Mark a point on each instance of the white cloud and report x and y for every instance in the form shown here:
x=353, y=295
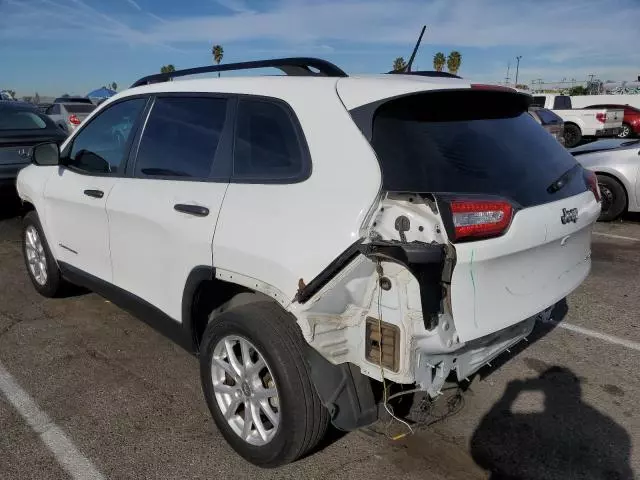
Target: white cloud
x=237, y=6
x=572, y=36
x=134, y=4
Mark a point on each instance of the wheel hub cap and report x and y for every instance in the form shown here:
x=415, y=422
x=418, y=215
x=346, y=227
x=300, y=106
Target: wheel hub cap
x=36, y=258
x=245, y=390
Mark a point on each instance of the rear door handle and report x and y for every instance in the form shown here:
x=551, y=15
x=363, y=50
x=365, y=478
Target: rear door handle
x=94, y=193
x=196, y=210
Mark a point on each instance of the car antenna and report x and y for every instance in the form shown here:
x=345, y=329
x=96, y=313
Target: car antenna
x=415, y=50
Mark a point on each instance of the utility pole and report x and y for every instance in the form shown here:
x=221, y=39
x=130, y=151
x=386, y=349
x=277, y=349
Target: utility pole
x=517, y=68
x=506, y=79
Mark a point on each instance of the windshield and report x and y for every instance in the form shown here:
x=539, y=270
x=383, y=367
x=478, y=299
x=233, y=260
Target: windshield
x=470, y=142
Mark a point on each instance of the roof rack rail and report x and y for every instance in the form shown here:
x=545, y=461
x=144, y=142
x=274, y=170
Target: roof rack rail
x=294, y=66
x=426, y=73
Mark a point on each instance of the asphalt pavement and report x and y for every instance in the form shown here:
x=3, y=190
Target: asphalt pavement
x=88, y=391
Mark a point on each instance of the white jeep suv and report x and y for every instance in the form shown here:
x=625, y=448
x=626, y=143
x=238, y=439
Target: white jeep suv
x=313, y=234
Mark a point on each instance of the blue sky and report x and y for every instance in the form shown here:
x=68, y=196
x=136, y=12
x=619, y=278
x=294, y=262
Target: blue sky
x=58, y=46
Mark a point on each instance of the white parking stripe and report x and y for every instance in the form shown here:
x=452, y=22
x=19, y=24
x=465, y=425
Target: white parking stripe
x=595, y=334
x=619, y=237
x=66, y=453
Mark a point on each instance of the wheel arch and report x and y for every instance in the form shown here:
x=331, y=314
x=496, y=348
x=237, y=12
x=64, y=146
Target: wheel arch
x=208, y=289
x=623, y=184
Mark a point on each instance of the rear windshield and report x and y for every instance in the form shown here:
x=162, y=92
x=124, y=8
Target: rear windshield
x=14, y=119
x=470, y=142
x=562, y=102
x=79, y=108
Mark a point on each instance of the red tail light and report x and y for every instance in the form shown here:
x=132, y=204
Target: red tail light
x=74, y=120
x=480, y=218
x=601, y=117
x=592, y=181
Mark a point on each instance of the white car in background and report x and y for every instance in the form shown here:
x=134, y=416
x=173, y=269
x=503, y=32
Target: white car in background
x=69, y=112
x=617, y=165
x=314, y=237
x=578, y=123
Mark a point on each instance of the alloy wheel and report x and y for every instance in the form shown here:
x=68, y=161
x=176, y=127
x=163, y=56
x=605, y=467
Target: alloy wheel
x=36, y=257
x=245, y=390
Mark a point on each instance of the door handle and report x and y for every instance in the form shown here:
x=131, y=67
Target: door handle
x=196, y=210
x=94, y=193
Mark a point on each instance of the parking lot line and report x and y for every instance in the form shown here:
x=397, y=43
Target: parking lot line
x=619, y=237
x=595, y=334
x=66, y=453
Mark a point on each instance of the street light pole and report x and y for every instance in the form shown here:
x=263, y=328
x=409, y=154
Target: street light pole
x=517, y=68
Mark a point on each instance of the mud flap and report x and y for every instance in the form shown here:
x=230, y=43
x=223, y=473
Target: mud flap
x=344, y=391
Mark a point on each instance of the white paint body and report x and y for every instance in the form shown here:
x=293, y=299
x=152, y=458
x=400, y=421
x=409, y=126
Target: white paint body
x=267, y=237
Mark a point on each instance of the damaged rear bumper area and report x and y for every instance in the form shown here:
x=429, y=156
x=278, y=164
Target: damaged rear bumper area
x=382, y=310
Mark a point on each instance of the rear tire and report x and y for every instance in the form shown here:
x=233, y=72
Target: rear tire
x=269, y=333
x=626, y=131
x=572, y=135
x=41, y=267
x=614, y=198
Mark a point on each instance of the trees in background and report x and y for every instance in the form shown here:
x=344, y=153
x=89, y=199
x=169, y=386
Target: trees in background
x=399, y=64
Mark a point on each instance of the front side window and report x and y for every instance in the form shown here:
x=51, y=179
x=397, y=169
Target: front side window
x=101, y=146
x=267, y=145
x=181, y=137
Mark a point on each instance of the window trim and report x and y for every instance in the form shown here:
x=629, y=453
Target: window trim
x=305, y=157
x=221, y=163
x=122, y=172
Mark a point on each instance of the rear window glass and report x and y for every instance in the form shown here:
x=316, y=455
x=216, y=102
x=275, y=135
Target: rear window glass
x=471, y=143
x=21, y=120
x=79, y=108
x=538, y=101
x=562, y=102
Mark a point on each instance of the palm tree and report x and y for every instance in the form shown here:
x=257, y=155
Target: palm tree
x=453, y=62
x=438, y=61
x=218, y=52
x=399, y=64
x=167, y=68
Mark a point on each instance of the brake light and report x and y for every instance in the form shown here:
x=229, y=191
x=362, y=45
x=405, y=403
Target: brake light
x=592, y=182
x=480, y=219
x=601, y=117
x=74, y=120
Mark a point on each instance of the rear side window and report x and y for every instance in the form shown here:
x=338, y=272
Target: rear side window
x=562, y=102
x=470, y=142
x=181, y=137
x=267, y=143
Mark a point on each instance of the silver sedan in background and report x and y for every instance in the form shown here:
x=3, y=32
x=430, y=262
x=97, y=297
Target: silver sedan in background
x=617, y=164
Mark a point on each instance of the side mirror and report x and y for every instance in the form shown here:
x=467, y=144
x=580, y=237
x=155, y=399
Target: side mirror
x=46, y=154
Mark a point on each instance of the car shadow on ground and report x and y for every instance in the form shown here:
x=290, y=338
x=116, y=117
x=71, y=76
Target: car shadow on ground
x=10, y=206
x=567, y=439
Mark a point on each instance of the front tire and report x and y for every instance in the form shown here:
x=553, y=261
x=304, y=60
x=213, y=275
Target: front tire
x=572, y=135
x=258, y=387
x=41, y=266
x=614, y=198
